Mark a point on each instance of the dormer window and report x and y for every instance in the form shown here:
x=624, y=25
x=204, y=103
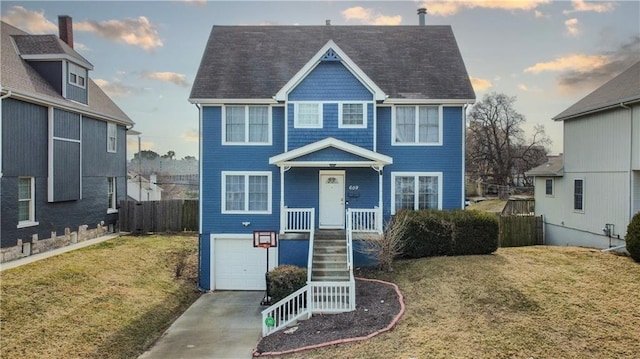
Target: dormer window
x=77, y=75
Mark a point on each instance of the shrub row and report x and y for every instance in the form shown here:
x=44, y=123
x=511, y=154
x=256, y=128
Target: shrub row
x=442, y=233
x=284, y=280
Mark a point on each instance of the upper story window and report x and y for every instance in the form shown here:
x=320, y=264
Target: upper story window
x=417, y=125
x=77, y=75
x=352, y=115
x=112, y=137
x=246, y=125
x=308, y=115
x=26, y=205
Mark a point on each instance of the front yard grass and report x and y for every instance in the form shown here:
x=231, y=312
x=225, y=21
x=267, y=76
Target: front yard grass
x=110, y=300
x=526, y=302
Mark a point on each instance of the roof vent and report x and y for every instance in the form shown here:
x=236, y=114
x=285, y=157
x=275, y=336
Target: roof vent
x=328, y=22
x=422, y=12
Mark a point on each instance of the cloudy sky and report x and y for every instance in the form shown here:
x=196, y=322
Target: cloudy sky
x=548, y=54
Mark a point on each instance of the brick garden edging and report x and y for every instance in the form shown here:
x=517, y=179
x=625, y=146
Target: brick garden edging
x=346, y=340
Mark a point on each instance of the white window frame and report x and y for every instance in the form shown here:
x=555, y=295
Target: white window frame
x=112, y=128
x=416, y=141
x=246, y=175
x=246, y=141
x=296, y=111
x=416, y=193
x=112, y=185
x=553, y=185
x=573, y=196
x=32, y=205
x=79, y=73
x=364, y=114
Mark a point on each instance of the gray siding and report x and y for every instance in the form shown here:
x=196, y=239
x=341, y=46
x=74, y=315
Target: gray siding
x=25, y=153
x=66, y=171
x=96, y=161
x=24, y=139
x=51, y=71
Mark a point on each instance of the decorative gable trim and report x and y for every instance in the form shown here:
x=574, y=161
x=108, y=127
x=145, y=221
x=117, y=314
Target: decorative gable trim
x=374, y=158
x=330, y=52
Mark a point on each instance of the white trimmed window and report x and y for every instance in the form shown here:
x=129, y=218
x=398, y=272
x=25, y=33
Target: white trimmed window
x=578, y=195
x=246, y=125
x=416, y=190
x=352, y=115
x=112, y=195
x=246, y=192
x=307, y=115
x=548, y=187
x=417, y=125
x=77, y=75
x=112, y=137
x=26, y=202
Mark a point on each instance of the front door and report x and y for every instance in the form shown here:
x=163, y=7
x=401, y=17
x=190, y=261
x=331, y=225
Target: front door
x=331, y=199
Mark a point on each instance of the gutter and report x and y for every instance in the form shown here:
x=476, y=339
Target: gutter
x=599, y=109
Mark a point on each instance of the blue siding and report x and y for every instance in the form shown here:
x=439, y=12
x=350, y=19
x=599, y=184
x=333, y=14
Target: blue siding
x=446, y=158
x=77, y=93
x=360, y=258
x=299, y=137
x=24, y=139
x=51, y=71
x=330, y=81
x=204, y=262
x=217, y=158
x=293, y=252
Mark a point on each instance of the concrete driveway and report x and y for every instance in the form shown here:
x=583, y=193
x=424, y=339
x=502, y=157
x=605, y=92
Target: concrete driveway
x=223, y=324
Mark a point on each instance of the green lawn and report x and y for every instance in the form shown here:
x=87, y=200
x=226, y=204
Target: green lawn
x=110, y=300
x=526, y=302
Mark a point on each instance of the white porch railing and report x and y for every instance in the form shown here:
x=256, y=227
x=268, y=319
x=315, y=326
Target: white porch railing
x=298, y=219
x=364, y=220
x=313, y=298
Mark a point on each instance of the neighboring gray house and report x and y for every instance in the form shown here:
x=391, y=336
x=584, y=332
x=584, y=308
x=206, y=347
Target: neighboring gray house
x=63, y=145
x=142, y=189
x=594, y=188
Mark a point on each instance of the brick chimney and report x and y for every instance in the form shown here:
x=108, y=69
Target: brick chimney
x=65, y=27
x=422, y=12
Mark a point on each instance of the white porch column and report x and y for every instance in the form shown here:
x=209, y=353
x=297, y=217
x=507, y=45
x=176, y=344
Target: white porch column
x=282, y=211
x=380, y=201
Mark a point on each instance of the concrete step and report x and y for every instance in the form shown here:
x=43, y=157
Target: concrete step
x=330, y=278
x=330, y=250
x=336, y=265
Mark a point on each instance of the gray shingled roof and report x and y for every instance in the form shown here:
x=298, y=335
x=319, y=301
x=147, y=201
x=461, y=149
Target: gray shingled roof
x=553, y=168
x=422, y=62
x=49, y=45
x=23, y=80
x=623, y=88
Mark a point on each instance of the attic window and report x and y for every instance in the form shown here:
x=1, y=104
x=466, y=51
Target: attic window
x=330, y=55
x=77, y=75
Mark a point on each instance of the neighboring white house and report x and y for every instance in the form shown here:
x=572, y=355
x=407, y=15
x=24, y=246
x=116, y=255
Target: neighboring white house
x=595, y=185
x=142, y=189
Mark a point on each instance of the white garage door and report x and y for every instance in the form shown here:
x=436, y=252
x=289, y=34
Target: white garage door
x=240, y=266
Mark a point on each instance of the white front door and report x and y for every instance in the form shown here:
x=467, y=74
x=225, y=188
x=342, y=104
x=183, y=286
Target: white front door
x=331, y=199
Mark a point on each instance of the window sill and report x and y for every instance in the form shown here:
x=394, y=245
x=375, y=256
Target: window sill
x=246, y=212
x=416, y=144
x=111, y=211
x=26, y=224
x=246, y=143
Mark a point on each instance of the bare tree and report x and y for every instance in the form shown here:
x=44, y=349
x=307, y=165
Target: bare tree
x=388, y=245
x=497, y=150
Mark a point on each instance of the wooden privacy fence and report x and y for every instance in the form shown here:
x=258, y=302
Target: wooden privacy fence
x=517, y=231
x=158, y=216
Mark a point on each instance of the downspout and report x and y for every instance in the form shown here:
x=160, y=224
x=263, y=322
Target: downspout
x=464, y=151
x=630, y=158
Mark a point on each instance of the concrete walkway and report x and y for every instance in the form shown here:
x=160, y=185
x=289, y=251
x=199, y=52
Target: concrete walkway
x=55, y=252
x=222, y=325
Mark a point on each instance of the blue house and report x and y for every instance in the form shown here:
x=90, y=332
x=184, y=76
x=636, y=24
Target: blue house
x=322, y=133
x=63, y=146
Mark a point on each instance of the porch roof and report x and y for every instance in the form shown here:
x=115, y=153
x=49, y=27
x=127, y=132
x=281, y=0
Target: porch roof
x=366, y=158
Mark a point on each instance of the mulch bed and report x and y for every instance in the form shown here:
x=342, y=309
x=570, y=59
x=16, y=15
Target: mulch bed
x=377, y=304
